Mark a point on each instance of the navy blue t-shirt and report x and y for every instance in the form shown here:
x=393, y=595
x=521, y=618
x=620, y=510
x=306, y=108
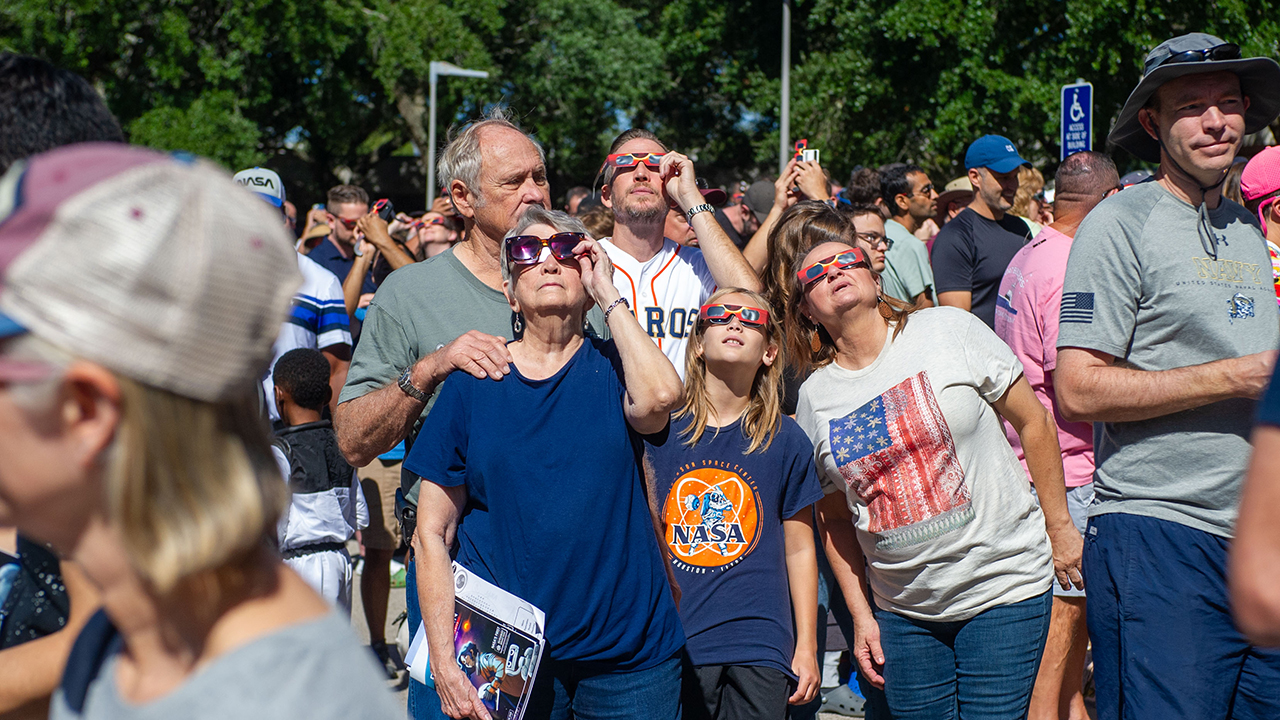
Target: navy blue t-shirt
x=971, y=254
x=330, y=258
x=722, y=513
x=1269, y=406
x=556, y=512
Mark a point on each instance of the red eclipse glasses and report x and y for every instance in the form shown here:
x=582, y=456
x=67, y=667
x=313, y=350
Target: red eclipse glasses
x=848, y=258
x=626, y=160
x=719, y=314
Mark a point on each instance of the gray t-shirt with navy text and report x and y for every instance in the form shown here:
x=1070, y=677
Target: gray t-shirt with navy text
x=1143, y=287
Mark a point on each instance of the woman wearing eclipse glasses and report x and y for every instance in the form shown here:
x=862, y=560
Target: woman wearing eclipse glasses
x=904, y=413
x=537, y=476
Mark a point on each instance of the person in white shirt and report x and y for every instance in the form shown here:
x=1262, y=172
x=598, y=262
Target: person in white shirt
x=662, y=282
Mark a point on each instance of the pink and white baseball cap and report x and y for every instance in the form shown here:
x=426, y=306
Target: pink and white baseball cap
x=1261, y=178
x=157, y=266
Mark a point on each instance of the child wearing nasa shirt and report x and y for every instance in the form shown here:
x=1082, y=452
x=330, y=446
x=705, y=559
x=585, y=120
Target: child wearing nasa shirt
x=735, y=478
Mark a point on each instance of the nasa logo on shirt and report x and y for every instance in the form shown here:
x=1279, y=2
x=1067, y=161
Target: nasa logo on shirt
x=712, y=515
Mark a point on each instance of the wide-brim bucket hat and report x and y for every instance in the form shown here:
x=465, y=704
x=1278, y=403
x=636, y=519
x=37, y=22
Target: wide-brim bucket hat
x=1259, y=81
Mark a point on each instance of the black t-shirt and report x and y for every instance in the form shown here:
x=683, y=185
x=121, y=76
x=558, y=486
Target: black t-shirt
x=971, y=254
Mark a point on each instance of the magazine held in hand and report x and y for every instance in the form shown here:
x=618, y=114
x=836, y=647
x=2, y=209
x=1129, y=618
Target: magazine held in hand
x=497, y=641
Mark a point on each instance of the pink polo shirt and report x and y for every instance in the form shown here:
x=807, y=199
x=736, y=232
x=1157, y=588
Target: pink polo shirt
x=1027, y=319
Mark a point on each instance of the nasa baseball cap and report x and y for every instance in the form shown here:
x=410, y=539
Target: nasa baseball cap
x=994, y=153
x=128, y=257
x=263, y=182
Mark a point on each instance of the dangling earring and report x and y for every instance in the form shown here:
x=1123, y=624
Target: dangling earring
x=815, y=341
x=886, y=311
x=518, y=323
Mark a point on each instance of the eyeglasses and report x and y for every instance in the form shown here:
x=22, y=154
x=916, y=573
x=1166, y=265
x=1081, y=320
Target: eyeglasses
x=526, y=249
x=626, y=160
x=719, y=314
x=926, y=191
x=875, y=239
x=1225, y=51
x=846, y=259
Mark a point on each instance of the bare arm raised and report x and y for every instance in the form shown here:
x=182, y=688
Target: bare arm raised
x=653, y=386
x=728, y=267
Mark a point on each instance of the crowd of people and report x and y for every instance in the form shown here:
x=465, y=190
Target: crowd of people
x=1000, y=432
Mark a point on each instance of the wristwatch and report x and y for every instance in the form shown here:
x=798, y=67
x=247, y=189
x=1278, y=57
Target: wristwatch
x=697, y=209
x=407, y=386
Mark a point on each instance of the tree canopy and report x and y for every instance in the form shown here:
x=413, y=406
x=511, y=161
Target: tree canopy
x=336, y=90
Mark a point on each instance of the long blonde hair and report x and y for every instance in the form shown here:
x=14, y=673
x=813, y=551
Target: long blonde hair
x=763, y=416
x=191, y=485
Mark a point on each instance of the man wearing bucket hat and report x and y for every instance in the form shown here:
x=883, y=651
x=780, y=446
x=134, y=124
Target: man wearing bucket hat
x=972, y=251
x=1167, y=336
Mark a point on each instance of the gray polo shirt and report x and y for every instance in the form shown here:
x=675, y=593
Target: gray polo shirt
x=1141, y=286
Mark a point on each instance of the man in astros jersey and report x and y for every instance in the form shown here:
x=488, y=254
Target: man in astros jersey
x=664, y=283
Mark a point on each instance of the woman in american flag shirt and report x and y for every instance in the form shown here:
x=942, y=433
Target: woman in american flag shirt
x=927, y=506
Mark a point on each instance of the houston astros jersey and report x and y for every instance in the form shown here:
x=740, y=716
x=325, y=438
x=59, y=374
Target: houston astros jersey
x=665, y=293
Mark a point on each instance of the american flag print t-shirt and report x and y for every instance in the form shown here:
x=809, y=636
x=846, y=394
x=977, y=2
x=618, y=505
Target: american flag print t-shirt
x=897, y=454
x=941, y=506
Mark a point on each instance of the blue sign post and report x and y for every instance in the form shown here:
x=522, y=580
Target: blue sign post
x=1077, y=118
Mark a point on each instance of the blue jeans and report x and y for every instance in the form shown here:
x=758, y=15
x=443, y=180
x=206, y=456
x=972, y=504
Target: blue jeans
x=567, y=690
x=1164, y=644
x=982, y=668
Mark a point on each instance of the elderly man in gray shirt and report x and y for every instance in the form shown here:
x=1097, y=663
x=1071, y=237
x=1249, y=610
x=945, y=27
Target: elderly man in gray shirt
x=1167, y=337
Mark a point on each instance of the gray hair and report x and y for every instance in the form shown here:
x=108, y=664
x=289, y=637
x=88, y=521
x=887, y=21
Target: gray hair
x=561, y=221
x=461, y=158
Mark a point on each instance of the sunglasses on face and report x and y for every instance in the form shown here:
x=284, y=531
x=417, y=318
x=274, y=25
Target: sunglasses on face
x=925, y=191
x=626, y=160
x=526, y=249
x=348, y=224
x=875, y=240
x=1225, y=51
x=719, y=314
x=846, y=259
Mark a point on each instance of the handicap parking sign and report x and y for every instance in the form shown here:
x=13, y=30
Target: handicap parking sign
x=1077, y=118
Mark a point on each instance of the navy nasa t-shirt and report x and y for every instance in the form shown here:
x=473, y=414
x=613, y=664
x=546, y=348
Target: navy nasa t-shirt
x=556, y=512
x=722, y=513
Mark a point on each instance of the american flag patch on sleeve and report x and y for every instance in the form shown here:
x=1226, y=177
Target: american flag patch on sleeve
x=1077, y=307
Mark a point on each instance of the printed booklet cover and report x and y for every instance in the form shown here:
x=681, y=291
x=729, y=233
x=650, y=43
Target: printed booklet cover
x=498, y=642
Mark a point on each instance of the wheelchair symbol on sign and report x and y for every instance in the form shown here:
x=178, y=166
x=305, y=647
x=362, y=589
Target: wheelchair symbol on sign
x=1077, y=112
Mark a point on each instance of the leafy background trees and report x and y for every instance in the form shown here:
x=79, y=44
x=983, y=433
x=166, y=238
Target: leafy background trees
x=335, y=90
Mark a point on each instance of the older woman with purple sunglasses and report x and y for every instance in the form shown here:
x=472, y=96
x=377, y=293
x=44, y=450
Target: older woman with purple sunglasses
x=536, y=479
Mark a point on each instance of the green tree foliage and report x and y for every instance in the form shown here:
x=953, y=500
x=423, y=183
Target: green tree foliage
x=335, y=90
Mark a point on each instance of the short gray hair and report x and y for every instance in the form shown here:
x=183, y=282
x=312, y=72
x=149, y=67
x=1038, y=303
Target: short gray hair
x=461, y=158
x=561, y=221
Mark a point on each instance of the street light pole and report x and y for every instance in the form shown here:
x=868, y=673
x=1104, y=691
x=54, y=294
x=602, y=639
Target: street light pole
x=784, y=140
x=438, y=68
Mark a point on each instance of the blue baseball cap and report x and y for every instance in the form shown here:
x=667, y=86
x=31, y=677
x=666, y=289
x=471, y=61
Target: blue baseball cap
x=995, y=153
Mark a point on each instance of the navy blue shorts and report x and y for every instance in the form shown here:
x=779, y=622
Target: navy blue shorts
x=1164, y=644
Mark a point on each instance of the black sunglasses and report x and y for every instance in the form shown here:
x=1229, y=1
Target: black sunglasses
x=1225, y=51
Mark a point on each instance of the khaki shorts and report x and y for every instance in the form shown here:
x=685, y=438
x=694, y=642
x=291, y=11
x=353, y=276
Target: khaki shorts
x=379, y=482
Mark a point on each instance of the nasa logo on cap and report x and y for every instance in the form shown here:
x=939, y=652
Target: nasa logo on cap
x=266, y=183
